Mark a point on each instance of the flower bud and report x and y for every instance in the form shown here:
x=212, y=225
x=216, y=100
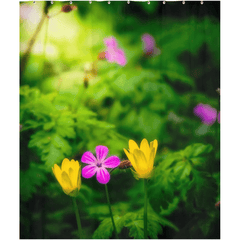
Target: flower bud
x=125, y=164
x=101, y=55
x=68, y=8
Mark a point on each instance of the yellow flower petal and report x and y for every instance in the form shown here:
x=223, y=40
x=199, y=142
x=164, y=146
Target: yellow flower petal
x=66, y=182
x=71, y=175
x=65, y=165
x=145, y=175
x=154, y=144
x=151, y=158
x=68, y=191
x=144, y=147
x=132, y=146
x=79, y=179
x=73, y=172
x=68, y=176
x=57, y=172
x=140, y=160
x=130, y=158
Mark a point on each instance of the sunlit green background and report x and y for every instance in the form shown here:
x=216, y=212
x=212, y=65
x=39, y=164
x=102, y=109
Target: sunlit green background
x=149, y=97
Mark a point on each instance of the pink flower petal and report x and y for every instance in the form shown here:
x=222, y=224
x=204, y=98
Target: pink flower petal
x=89, y=171
x=110, y=55
x=120, y=57
x=101, y=152
x=103, y=176
x=110, y=42
x=88, y=158
x=113, y=53
x=149, y=42
x=111, y=162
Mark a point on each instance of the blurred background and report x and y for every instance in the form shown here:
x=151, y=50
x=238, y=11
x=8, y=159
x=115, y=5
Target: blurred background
x=72, y=98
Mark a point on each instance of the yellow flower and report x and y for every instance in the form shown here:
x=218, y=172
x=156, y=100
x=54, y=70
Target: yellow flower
x=142, y=158
x=68, y=176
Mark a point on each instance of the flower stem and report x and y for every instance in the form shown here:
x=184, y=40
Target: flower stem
x=145, y=209
x=77, y=217
x=110, y=210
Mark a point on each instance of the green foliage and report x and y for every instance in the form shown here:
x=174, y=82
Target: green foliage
x=150, y=97
x=37, y=176
x=56, y=129
x=105, y=229
x=134, y=223
x=178, y=172
x=203, y=191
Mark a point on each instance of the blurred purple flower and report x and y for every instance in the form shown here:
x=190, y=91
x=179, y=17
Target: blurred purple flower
x=113, y=53
x=98, y=165
x=206, y=113
x=111, y=42
x=149, y=45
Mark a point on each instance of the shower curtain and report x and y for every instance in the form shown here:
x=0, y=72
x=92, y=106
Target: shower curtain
x=119, y=119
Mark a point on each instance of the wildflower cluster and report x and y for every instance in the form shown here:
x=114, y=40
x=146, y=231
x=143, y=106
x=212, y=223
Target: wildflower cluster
x=69, y=175
x=141, y=160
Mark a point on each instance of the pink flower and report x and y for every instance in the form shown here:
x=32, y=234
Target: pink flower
x=99, y=164
x=206, y=113
x=113, y=53
x=149, y=45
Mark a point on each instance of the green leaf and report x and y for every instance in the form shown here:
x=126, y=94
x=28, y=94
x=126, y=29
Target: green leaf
x=171, y=159
x=29, y=93
x=48, y=126
x=197, y=149
x=135, y=223
x=30, y=180
x=153, y=228
x=163, y=221
x=171, y=207
x=51, y=147
x=174, y=76
x=99, y=124
x=196, y=153
x=161, y=188
x=39, y=139
x=53, y=155
x=182, y=169
x=32, y=124
x=56, y=151
x=105, y=229
x=136, y=229
x=65, y=125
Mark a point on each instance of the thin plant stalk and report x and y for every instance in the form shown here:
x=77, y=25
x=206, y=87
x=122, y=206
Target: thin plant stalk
x=45, y=40
x=110, y=210
x=26, y=55
x=145, y=209
x=77, y=217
